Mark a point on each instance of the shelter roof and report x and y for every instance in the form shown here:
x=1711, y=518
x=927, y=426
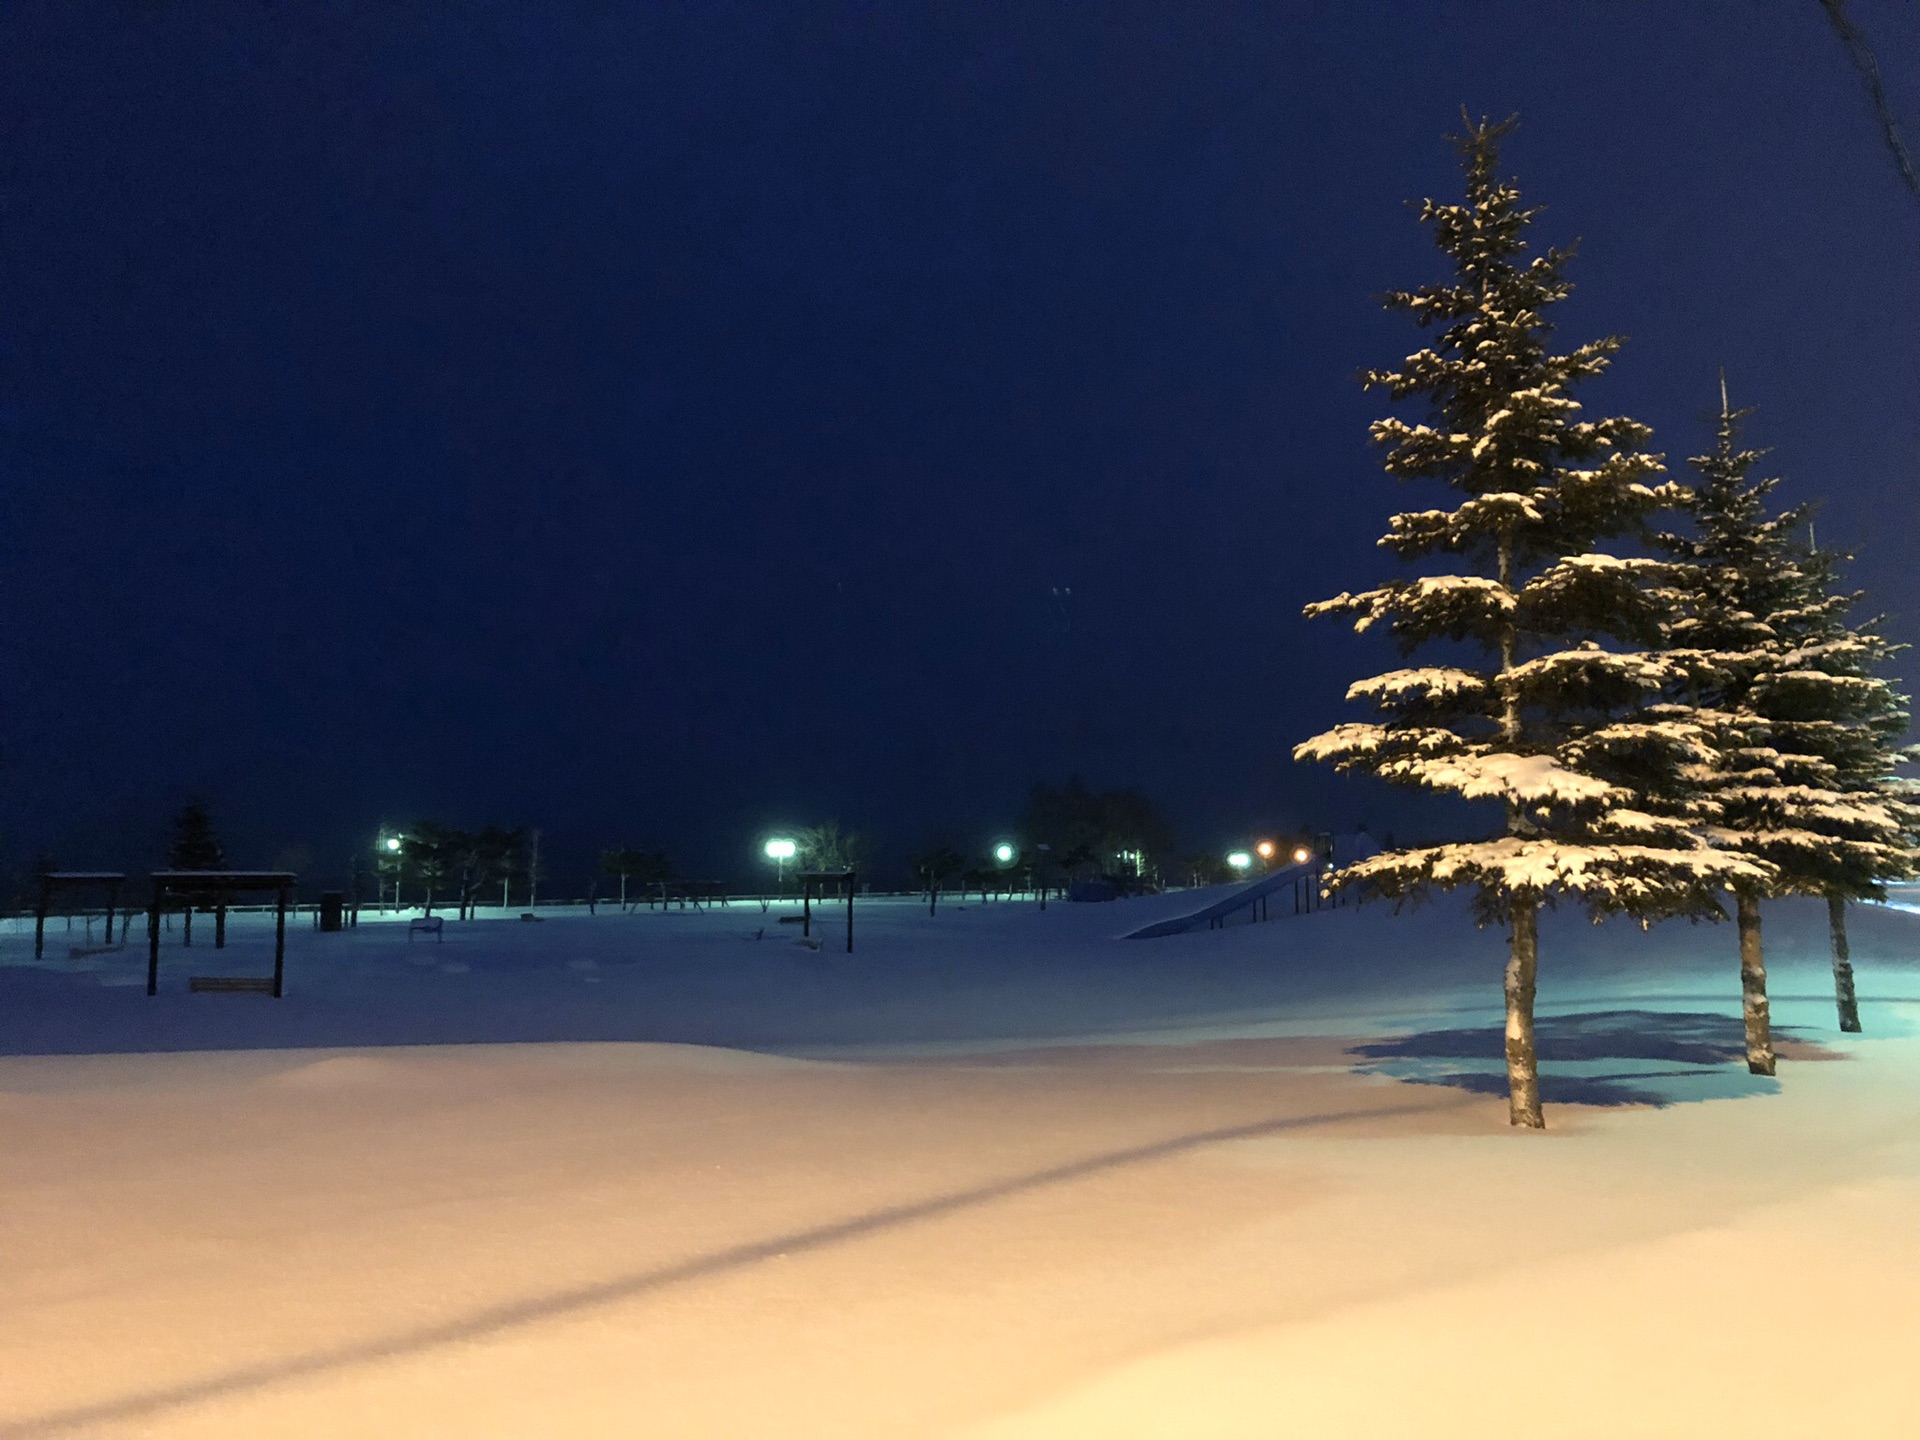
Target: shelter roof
x=226, y=879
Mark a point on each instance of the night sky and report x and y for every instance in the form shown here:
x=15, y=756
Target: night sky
x=657, y=422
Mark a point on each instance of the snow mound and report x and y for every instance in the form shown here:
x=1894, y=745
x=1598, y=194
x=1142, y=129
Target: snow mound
x=340, y=1072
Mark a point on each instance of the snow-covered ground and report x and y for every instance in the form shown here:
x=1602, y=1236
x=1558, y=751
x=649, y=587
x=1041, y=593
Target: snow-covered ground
x=997, y=1173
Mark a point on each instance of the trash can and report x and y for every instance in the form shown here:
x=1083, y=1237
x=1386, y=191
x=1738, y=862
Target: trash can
x=333, y=906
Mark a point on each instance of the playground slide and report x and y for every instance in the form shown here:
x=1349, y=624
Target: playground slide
x=1239, y=899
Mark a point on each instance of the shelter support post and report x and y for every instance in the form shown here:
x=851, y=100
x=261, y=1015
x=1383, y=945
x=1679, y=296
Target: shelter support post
x=279, y=941
x=153, y=944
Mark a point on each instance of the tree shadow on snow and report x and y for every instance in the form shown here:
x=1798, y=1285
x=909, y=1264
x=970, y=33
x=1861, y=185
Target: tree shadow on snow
x=491, y=1321
x=1705, y=1054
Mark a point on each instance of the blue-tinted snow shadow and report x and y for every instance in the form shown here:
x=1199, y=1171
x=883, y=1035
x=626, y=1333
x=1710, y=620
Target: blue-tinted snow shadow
x=1594, y=1057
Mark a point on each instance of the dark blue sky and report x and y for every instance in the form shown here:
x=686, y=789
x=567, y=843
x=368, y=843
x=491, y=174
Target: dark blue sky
x=654, y=421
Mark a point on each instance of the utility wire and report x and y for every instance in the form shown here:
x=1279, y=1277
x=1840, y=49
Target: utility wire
x=1869, y=68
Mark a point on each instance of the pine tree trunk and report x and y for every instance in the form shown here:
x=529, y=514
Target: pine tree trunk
x=1523, y=1065
x=1753, y=986
x=1843, y=995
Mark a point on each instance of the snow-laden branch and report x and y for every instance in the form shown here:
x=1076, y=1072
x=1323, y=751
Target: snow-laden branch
x=1530, y=780
x=1352, y=744
x=1429, y=683
x=1635, y=878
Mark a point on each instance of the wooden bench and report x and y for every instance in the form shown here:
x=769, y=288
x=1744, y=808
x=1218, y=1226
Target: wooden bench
x=230, y=984
x=426, y=925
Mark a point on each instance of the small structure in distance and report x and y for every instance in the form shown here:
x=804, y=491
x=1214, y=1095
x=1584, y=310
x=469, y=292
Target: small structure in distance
x=217, y=888
x=824, y=883
x=52, y=880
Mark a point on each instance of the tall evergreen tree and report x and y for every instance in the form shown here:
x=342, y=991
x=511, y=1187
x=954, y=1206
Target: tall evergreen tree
x=1807, y=728
x=194, y=846
x=1552, y=722
x=1861, y=735
x=1739, y=587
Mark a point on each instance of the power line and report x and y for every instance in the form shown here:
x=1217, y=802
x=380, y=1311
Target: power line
x=1869, y=68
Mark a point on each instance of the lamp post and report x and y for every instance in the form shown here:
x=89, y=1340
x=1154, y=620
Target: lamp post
x=389, y=850
x=780, y=850
x=1265, y=851
x=1240, y=862
x=1004, y=854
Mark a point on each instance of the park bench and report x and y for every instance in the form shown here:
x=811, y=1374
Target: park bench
x=230, y=984
x=427, y=925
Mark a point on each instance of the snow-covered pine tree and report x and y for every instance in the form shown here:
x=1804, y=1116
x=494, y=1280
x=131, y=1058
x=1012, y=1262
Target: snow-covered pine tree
x=1807, y=725
x=1739, y=587
x=1551, y=720
x=1860, y=732
x=1803, y=727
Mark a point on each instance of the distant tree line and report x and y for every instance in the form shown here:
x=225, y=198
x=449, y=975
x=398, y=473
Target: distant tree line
x=641, y=871
x=1117, y=834
x=437, y=861
x=1066, y=833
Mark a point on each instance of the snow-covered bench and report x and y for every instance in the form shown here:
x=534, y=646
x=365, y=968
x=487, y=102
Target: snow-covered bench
x=426, y=925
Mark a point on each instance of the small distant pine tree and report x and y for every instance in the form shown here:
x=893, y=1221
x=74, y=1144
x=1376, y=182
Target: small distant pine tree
x=194, y=846
x=1553, y=723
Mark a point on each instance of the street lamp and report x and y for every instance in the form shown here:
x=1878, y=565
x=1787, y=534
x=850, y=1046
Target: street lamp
x=1003, y=853
x=781, y=850
x=1265, y=849
x=1240, y=860
x=388, y=850
x=1301, y=855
